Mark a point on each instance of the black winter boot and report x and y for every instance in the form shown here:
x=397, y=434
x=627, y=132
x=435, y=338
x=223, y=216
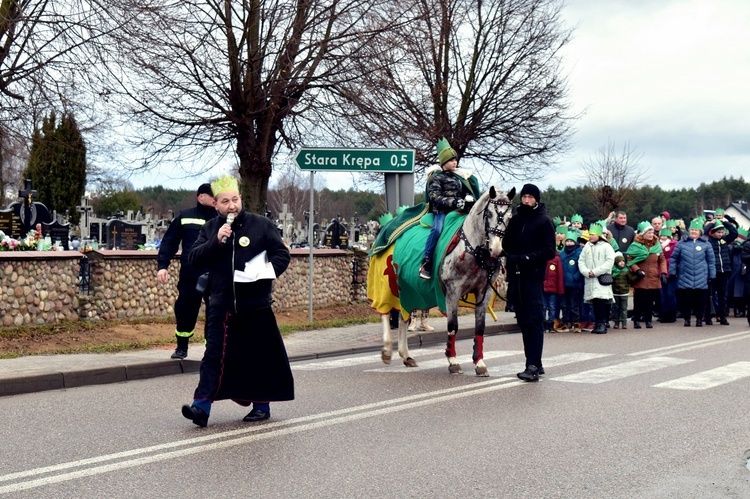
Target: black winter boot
x=181, y=351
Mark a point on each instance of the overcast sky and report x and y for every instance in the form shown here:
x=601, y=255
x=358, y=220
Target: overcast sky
x=671, y=77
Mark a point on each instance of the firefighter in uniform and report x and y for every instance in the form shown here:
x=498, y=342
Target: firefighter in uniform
x=185, y=228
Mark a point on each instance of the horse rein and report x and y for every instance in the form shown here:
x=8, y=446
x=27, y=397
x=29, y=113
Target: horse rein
x=482, y=252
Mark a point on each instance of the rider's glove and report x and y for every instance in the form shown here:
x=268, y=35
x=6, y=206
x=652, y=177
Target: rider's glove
x=468, y=202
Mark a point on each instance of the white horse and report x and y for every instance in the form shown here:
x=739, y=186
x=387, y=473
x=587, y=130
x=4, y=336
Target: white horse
x=470, y=266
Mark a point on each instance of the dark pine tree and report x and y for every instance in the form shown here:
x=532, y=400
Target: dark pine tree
x=57, y=164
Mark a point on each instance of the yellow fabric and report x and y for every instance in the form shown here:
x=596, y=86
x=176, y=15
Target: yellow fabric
x=381, y=282
x=223, y=184
x=186, y=334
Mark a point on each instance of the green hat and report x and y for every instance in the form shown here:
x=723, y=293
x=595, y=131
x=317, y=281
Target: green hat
x=561, y=229
x=445, y=152
x=571, y=236
x=644, y=227
x=719, y=211
x=576, y=218
x=670, y=223
x=557, y=221
x=741, y=233
x=717, y=225
x=696, y=224
x=666, y=231
x=596, y=229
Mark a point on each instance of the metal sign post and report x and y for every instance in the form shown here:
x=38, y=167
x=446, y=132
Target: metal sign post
x=329, y=159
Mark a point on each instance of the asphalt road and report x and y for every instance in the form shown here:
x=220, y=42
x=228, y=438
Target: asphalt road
x=648, y=414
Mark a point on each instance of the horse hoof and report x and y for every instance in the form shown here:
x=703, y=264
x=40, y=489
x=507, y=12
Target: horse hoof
x=386, y=358
x=410, y=362
x=455, y=369
x=482, y=371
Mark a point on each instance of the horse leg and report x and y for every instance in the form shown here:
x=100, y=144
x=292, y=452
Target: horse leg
x=450, y=348
x=403, y=343
x=478, y=355
x=387, y=351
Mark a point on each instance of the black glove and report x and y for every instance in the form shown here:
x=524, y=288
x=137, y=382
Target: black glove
x=640, y=274
x=664, y=279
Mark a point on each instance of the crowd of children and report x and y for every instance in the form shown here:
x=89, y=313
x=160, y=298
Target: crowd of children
x=671, y=271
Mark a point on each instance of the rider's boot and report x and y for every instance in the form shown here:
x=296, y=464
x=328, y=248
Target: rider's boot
x=425, y=272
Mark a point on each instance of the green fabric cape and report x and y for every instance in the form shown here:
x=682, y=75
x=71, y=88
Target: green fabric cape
x=416, y=293
x=639, y=252
x=410, y=217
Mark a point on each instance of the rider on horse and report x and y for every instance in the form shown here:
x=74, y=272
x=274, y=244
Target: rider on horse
x=446, y=192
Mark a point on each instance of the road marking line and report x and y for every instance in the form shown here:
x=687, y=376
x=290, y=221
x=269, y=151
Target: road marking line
x=373, y=410
x=558, y=360
x=623, y=370
x=355, y=361
x=682, y=347
x=436, y=363
x=709, y=379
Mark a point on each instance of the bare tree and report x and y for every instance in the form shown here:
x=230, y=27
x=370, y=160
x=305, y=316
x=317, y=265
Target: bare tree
x=44, y=66
x=293, y=190
x=212, y=81
x=612, y=177
x=487, y=75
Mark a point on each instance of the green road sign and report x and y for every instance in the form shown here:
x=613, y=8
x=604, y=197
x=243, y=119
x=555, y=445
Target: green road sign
x=325, y=159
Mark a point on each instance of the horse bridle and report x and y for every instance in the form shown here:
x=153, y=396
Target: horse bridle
x=482, y=252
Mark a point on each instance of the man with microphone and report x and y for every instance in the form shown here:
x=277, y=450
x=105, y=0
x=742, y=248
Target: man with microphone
x=245, y=358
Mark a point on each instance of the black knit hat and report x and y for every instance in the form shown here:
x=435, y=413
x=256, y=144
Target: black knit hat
x=204, y=189
x=532, y=190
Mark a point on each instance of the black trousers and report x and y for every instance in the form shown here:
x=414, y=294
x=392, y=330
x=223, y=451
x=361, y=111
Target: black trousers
x=717, y=295
x=643, y=303
x=692, y=301
x=530, y=315
x=601, y=310
x=187, y=305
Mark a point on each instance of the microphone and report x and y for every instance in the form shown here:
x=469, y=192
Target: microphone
x=230, y=221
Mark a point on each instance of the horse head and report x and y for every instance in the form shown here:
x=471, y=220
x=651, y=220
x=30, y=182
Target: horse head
x=491, y=215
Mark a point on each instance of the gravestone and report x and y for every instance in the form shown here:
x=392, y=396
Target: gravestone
x=10, y=224
x=122, y=235
x=28, y=211
x=98, y=231
x=37, y=213
x=336, y=236
x=57, y=232
x=86, y=212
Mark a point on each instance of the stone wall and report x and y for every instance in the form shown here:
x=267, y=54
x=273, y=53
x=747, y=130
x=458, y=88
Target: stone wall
x=38, y=287
x=124, y=286
x=333, y=279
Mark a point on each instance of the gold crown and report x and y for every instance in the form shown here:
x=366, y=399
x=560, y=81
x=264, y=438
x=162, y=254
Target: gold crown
x=223, y=184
